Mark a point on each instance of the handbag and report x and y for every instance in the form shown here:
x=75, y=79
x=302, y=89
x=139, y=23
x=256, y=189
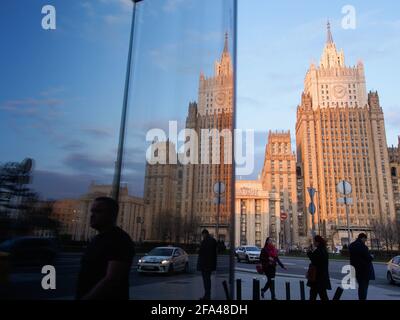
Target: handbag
x=259, y=269
x=311, y=274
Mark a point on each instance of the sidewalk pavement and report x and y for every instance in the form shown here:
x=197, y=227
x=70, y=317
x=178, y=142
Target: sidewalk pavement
x=330, y=259
x=374, y=292
x=191, y=288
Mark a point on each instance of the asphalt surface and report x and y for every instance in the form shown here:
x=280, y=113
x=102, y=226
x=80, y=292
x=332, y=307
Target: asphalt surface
x=298, y=267
x=25, y=282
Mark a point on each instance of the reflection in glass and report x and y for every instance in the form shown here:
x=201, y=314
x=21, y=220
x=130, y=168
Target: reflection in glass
x=178, y=153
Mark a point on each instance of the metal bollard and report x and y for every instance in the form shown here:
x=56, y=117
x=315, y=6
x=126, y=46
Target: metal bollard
x=302, y=291
x=239, y=289
x=256, y=289
x=225, y=284
x=287, y=290
x=338, y=293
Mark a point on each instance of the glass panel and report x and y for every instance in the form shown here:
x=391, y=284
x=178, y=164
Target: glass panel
x=60, y=122
x=59, y=117
x=178, y=141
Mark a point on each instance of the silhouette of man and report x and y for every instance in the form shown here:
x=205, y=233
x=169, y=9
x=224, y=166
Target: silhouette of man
x=107, y=260
x=207, y=261
x=361, y=260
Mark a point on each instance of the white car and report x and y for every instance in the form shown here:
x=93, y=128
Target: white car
x=393, y=270
x=164, y=260
x=248, y=253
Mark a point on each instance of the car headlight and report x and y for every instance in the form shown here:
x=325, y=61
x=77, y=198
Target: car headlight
x=140, y=261
x=165, y=262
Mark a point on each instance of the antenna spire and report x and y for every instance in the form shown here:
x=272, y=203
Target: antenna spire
x=329, y=38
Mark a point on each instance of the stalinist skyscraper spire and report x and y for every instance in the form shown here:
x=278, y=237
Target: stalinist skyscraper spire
x=185, y=192
x=213, y=116
x=329, y=39
x=340, y=135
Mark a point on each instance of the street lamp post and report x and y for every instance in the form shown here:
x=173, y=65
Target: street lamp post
x=118, y=163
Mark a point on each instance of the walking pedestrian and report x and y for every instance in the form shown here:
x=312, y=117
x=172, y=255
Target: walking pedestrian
x=318, y=272
x=207, y=261
x=361, y=260
x=269, y=259
x=106, y=263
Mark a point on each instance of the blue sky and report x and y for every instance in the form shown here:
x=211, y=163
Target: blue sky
x=61, y=90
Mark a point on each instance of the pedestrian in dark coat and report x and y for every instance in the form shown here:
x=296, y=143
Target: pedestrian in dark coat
x=269, y=259
x=361, y=260
x=207, y=261
x=320, y=282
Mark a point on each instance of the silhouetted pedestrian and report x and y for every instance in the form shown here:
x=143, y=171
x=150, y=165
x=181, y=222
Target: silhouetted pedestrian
x=207, y=261
x=361, y=260
x=269, y=258
x=107, y=260
x=318, y=272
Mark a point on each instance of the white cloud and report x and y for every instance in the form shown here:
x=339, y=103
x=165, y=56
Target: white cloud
x=172, y=5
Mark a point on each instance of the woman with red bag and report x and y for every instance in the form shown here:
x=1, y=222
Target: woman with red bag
x=318, y=272
x=269, y=258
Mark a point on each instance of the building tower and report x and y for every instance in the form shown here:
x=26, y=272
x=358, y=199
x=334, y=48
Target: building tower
x=340, y=134
x=394, y=159
x=211, y=118
x=279, y=175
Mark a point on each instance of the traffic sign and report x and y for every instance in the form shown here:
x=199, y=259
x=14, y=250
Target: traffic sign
x=284, y=216
x=311, y=192
x=311, y=208
x=219, y=187
x=344, y=187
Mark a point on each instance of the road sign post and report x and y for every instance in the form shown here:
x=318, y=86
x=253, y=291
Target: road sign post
x=219, y=189
x=311, y=209
x=283, y=217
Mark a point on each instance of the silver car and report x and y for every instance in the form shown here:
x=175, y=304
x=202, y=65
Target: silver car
x=248, y=253
x=393, y=270
x=164, y=260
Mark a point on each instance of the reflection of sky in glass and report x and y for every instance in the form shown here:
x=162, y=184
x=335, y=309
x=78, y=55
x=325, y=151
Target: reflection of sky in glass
x=61, y=91
x=171, y=50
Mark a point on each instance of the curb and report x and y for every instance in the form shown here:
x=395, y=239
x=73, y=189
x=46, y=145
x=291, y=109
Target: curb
x=283, y=275
x=335, y=260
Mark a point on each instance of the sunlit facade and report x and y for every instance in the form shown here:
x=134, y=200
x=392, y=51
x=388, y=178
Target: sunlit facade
x=130, y=216
x=340, y=134
x=394, y=158
x=279, y=176
x=257, y=214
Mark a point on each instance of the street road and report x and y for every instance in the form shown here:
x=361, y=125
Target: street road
x=25, y=282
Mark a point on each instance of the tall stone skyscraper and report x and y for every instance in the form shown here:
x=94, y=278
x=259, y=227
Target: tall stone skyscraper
x=211, y=118
x=340, y=134
x=162, y=193
x=179, y=197
x=394, y=159
x=279, y=175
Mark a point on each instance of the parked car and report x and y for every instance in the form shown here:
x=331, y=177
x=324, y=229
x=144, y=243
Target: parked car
x=29, y=251
x=164, y=260
x=393, y=270
x=248, y=253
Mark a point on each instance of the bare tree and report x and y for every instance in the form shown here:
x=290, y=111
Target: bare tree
x=191, y=227
x=21, y=211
